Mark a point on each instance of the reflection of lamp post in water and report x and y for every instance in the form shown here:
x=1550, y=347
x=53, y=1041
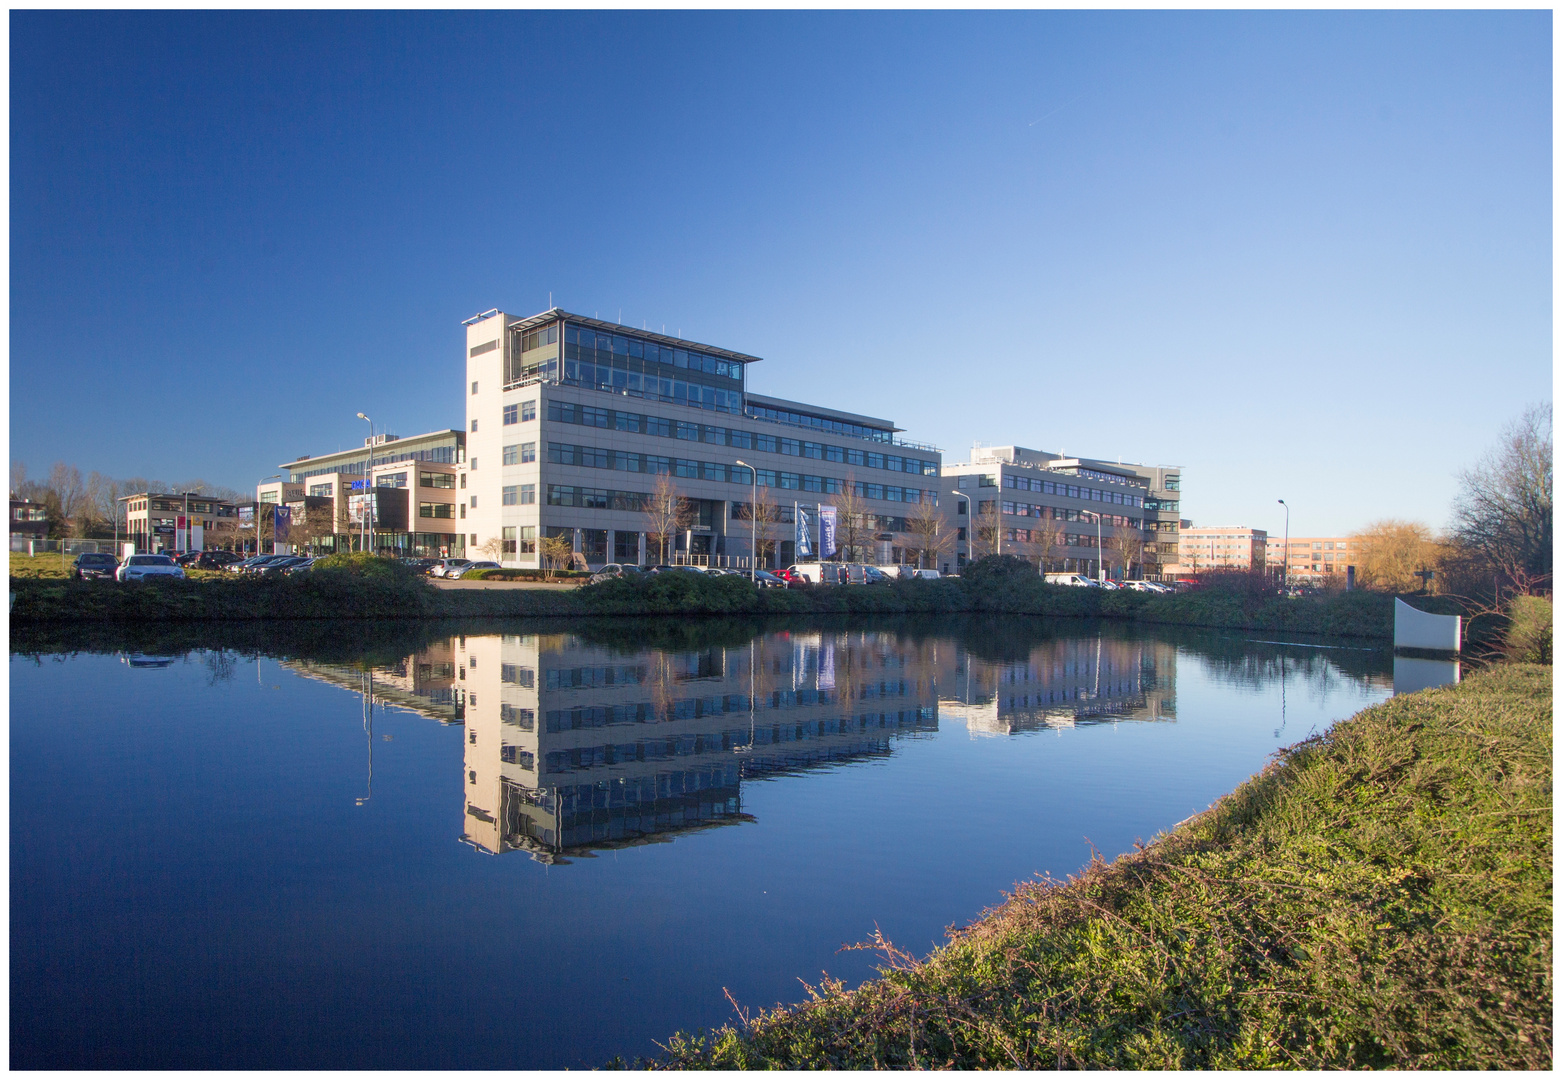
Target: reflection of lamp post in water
x=368, y=731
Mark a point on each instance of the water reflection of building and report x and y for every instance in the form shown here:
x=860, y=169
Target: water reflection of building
x=572, y=746
x=425, y=683
x=1060, y=684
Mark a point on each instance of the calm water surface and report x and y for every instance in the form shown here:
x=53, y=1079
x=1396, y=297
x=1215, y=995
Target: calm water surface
x=543, y=849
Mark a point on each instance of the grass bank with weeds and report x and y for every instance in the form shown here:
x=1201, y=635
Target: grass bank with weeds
x=1380, y=896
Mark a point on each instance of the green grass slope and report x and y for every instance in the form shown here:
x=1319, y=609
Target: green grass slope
x=1380, y=896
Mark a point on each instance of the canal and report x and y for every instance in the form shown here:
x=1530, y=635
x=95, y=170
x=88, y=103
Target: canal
x=543, y=845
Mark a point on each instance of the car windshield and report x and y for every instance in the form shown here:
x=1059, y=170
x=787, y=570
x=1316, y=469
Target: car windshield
x=150, y=560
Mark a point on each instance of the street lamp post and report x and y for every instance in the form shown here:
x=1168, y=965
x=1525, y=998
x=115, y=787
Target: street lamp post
x=368, y=499
x=1099, y=560
x=1287, y=583
x=967, y=499
x=753, y=520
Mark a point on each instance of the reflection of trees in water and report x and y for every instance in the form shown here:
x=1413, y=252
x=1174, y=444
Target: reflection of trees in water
x=1318, y=674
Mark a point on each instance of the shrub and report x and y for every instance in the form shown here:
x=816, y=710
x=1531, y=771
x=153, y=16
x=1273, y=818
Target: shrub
x=1529, y=630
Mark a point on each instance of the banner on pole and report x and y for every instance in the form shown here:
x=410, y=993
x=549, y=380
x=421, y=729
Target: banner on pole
x=805, y=547
x=246, y=517
x=283, y=521
x=826, y=531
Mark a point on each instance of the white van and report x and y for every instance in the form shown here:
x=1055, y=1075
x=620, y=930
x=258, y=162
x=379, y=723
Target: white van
x=1070, y=579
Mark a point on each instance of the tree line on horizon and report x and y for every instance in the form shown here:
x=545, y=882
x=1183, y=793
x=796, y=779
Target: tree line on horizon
x=86, y=507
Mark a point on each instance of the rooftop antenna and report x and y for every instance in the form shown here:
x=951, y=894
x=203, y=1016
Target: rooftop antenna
x=620, y=316
x=550, y=299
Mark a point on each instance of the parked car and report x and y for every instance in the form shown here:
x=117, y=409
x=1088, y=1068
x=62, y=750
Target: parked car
x=667, y=568
x=442, y=567
x=420, y=565
x=187, y=558
x=256, y=565
x=244, y=564
x=215, y=560
x=303, y=566
x=462, y=571
x=926, y=575
x=281, y=564
x=1069, y=579
x=614, y=570
x=764, y=579
x=94, y=566
x=1108, y=584
x=148, y=567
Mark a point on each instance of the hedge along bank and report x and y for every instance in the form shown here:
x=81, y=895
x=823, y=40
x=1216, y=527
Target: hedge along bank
x=364, y=586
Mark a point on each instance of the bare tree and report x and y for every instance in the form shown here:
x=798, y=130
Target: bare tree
x=1128, y=545
x=493, y=547
x=667, y=513
x=930, y=539
x=851, y=511
x=765, y=512
x=988, y=525
x=1391, y=553
x=557, y=551
x=1502, y=514
x=66, y=483
x=18, y=478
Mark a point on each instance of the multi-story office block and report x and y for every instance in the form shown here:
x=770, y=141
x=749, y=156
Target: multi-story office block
x=576, y=426
x=1313, y=559
x=1223, y=547
x=393, y=495
x=1064, y=513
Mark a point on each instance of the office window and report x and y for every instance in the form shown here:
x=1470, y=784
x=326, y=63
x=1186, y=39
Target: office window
x=473, y=465
x=436, y=480
x=512, y=455
x=507, y=536
x=508, y=495
x=474, y=425
x=528, y=411
x=436, y=510
x=834, y=453
x=528, y=494
x=474, y=387
x=791, y=447
x=527, y=541
x=320, y=490
x=528, y=452
x=511, y=413
x=790, y=481
x=765, y=442
x=463, y=481
x=392, y=480
x=766, y=477
x=474, y=502
x=463, y=511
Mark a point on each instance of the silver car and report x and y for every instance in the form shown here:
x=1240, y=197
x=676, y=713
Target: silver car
x=142, y=567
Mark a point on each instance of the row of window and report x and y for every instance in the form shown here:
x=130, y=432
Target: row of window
x=593, y=457
x=518, y=495
x=595, y=498
x=604, y=348
x=445, y=455
x=1042, y=536
x=819, y=423
x=615, y=420
x=520, y=412
x=520, y=453
x=1105, y=477
x=1071, y=491
x=1059, y=513
x=633, y=384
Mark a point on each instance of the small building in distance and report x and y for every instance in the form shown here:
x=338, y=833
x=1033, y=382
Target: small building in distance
x=1314, y=559
x=176, y=521
x=1222, y=547
x=29, y=521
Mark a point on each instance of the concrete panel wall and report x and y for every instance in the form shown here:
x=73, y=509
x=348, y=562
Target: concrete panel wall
x=1418, y=630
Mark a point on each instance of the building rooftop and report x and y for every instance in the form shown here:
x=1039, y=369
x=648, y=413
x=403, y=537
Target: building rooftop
x=671, y=341
x=819, y=410
x=383, y=444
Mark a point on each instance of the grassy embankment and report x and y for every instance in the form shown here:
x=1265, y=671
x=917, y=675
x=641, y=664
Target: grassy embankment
x=1380, y=896
x=366, y=587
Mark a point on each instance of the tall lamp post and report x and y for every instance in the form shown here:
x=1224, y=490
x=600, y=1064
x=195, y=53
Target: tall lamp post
x=368, y=496
x=968, y=525
x=1099, y=560
x=753, y=520
x=1287, y=583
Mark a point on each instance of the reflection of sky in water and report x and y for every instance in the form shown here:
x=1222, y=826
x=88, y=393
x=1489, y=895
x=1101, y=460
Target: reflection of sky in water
x=203, y=872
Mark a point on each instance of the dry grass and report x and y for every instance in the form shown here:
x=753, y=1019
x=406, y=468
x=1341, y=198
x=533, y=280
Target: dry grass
x=1380, y=896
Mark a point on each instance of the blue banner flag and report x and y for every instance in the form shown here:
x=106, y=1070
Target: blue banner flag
x=805, y=547
x=826, y=531
x=284, y=523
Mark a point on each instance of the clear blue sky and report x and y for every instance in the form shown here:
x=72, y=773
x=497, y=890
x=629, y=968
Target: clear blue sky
x=1304, y=256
